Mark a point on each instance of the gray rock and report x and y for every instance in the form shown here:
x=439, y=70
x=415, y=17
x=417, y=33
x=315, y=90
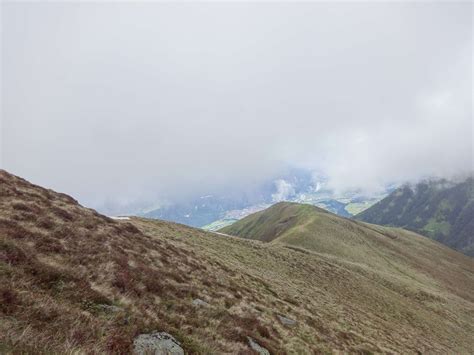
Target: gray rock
x=200, y=303
x=255, y=346
x=157, y=344
x=286, y=321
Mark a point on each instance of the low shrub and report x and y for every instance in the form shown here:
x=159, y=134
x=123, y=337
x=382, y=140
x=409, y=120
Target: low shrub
x=12, y=254
x=25, y=216
x=47, y=276
x=45, y=223
x=49, y=245
x=62, y=213
x=153, y=285
x=20, y=206
x=9, y=301
x=63, y=232
x=12, y=229
x=119, y=342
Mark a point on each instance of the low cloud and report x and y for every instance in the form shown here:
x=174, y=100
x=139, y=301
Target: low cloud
x=130, y=104
x=284, y=190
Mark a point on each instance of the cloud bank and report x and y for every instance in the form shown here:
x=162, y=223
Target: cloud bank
x=129, y=103
x=284, y=190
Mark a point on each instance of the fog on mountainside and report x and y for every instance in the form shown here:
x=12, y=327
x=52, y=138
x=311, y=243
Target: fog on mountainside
x=212, y=212
x=131, y=106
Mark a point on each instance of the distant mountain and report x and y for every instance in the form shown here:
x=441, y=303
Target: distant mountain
x=196, y=212
x=441, y=210
x=312, y=228
x=212, y=212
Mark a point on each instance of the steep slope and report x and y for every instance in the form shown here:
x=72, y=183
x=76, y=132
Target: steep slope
x=441, y=210
x=72, y=280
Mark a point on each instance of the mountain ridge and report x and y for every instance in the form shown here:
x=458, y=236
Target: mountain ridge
x=392, y=250
x=439, y=209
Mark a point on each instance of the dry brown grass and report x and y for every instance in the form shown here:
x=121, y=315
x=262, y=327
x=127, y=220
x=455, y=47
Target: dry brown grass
x=61, y=269
x=62, y=264
x=339, y=305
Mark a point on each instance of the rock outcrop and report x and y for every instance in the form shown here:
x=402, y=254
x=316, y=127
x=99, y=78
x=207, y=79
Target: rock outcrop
x=255, y=346
x=200, y=303
x=159, y=343
x=286, y=321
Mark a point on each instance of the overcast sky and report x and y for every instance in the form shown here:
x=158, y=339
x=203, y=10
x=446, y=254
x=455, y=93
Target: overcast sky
x=140, y=101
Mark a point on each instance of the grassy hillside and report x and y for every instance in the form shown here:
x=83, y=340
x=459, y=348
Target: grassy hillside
x=392, y=251
x=438, y=209
x=72, y=281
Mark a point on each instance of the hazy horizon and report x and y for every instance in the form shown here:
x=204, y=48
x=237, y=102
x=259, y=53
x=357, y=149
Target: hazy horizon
x=136, y=103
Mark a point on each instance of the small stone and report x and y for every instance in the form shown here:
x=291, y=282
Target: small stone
x=255, y=346
x=286, y=321
x=157, y=344
x=200, y=303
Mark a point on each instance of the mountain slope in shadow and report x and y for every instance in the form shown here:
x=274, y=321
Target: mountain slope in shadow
x=441, y=210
